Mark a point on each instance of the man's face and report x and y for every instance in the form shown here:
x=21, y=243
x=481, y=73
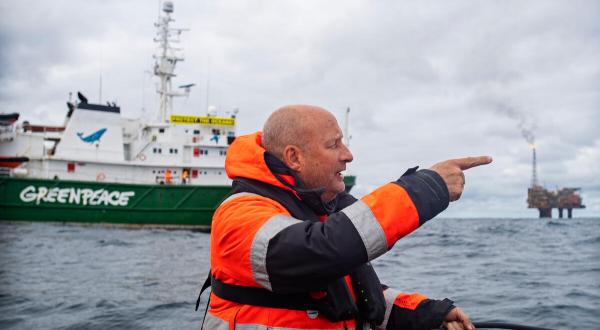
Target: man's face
x=325, y=156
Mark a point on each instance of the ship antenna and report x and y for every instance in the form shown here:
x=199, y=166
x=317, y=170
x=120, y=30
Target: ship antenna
x=100, y=89
x=100, y=77
x=346, y=129
x=208, y=84
x=166, y=60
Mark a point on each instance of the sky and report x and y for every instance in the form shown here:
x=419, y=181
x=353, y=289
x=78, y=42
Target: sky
x=425, y=80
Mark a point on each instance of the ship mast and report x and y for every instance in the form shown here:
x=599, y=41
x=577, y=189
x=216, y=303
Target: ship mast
x=346, y=130
x=165, y=61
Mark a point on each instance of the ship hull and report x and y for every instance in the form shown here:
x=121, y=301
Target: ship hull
x=128, y=205
x=349, y=182
x=169, y=206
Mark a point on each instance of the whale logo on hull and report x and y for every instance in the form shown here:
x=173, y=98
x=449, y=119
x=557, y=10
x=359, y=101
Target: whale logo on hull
x=94, y=137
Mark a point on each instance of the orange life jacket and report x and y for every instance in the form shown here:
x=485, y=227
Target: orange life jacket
x=274, y=237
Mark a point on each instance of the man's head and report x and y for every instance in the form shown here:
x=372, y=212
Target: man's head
x=308, y=140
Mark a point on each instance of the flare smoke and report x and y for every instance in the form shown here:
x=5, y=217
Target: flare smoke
x=524, y=123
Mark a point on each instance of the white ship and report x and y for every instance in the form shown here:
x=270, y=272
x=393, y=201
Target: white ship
x=170, y=169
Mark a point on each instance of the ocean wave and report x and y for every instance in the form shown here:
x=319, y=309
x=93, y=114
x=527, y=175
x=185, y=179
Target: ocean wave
x=168, y=306
x=590, y=240
x=8, y=322
x=112, y=320
x=114, y=242
x=557, y=223
x=518, y=271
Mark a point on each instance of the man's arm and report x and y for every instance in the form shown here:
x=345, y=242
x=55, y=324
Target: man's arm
x=417, y=312
x=413, y=311
x=284, y=254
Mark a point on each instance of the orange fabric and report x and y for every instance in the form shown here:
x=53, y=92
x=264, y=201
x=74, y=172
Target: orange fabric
x=394, y=211
x=236, y=222
x=168, y=176
x=245, y=159
x=232, y=233
x=348, y=280
x=234, y=226
x=289, y=179
x=409, y=301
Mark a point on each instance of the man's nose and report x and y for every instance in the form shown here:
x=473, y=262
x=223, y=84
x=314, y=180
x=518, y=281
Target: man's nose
x=346, y=155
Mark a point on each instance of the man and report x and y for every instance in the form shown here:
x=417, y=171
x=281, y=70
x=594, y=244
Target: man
x=291, y=250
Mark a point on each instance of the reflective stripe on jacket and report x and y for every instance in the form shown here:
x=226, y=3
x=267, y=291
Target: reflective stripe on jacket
x=270, y=235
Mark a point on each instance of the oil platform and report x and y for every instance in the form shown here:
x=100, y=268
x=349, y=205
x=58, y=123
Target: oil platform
x=545, y=200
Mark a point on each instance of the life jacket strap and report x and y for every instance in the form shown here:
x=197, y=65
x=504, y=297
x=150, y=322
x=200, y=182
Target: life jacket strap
x=204, y=287
x=261, y=297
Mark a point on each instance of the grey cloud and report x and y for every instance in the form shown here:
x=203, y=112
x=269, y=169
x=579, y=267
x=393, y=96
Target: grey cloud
x=425, y=80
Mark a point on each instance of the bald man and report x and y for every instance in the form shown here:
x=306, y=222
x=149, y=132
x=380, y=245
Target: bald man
x=291, y=250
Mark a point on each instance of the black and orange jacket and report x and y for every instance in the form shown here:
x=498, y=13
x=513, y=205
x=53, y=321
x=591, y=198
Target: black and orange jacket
x=271, y=234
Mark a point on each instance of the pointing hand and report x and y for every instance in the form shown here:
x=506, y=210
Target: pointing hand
x=452, y=172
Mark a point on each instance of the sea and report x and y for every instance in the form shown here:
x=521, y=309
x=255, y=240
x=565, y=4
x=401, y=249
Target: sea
x=535, y=272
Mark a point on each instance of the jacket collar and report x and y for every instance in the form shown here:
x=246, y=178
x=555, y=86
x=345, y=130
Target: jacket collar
x=311, y=197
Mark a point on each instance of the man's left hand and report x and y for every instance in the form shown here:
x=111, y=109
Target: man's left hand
x=456, y=319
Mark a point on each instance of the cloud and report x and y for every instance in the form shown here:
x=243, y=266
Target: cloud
x=425, y=80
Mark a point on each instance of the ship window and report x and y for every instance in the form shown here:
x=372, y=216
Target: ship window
x=175, y=150
x=161, y=130
x=159, y=150
x=230, y=133
x=216, y=131
x=196, y=131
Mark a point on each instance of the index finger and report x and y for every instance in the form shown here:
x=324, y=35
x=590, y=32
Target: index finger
x=468, y=162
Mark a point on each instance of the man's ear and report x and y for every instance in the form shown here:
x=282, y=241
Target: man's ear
x=293, y=158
